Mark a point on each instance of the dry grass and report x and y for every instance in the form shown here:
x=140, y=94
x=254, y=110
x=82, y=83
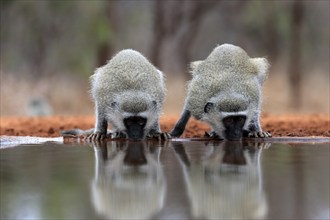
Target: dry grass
x=314, y=98
x=65, y=94
x=68, y=94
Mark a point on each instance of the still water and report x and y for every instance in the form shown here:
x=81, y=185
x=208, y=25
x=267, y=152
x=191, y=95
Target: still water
x=171, y=180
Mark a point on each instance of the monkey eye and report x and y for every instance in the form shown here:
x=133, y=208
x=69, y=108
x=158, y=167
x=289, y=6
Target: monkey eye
x=129, y=122
x=113, y=104
x=135, y=120
x=228, y=120
x=141, y=121
x=240, y=119
x=208, y=107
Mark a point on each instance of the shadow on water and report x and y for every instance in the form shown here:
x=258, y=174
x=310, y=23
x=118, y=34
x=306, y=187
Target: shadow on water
x=171, y=180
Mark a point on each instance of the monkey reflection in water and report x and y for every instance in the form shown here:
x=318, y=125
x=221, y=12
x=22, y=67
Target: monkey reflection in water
x=129, y=182
x=224, y=183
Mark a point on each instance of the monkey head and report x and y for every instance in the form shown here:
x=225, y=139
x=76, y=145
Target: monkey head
x=134, y=114
x=227, y=116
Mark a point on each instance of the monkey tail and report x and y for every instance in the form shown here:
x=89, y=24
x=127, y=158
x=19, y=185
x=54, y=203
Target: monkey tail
x=262, y=66
x=76, y=132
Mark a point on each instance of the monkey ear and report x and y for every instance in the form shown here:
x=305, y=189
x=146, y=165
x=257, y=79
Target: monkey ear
x=195, y=64
x=114, y=104
x=208, y=107
x=262, y=66
x=154, y=103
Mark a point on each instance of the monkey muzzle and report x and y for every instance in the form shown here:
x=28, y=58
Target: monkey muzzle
x=135, y=132
x=234, y=134
x=135, y=127
x=234, y=127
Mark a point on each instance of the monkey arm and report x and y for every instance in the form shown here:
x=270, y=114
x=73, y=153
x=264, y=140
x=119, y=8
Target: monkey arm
x=181, y=124
x=155, y=128
x=254, y=129
x=254, y=123
x=101, y=126
x=155, y=132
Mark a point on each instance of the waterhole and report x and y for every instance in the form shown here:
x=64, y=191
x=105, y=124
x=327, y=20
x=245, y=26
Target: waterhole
x=170, y=180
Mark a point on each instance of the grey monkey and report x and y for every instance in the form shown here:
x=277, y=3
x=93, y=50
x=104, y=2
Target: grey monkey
x=128, y=92
x=225, y=92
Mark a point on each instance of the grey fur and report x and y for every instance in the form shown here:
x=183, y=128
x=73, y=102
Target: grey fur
x=232, y=81
x=128, y=85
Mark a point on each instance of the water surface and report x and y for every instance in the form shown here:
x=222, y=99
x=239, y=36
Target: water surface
x=171, y=180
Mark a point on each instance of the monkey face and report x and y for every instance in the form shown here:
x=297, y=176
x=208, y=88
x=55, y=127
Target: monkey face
x=135, y=127
x=233, y=126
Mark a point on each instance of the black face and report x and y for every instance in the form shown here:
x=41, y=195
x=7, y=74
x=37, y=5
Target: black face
x=135, y=127
x=234, y=127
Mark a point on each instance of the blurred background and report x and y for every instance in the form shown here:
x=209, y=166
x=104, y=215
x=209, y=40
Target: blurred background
x=50, y=48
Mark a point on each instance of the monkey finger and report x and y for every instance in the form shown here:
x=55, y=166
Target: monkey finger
x=113, y=135
x=261, y=134
x=102, y=136
x=89, y=137
x=165, y=136
x=96, y=137
x=162, y=136
x=265, y=134
x=213, y=135
x=92, y=137
x=206, y=134
x=119, y=134
x=252, y=135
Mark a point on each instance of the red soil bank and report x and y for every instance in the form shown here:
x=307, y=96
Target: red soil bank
x=278, y=125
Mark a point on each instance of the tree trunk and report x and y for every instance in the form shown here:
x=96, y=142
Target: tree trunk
x=271, y=34
x=159, y=32
x=105, y=49
x=194, y=16
x=295, y=77
x=177, y=21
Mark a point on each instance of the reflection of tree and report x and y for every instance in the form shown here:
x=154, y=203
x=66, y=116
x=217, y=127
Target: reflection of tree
x=295, y=68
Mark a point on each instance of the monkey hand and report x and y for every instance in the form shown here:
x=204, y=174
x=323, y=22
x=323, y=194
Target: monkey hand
x=212, y=135
x=259, y=134
x=117, y=134
x=163, y=136
x=96, y=136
